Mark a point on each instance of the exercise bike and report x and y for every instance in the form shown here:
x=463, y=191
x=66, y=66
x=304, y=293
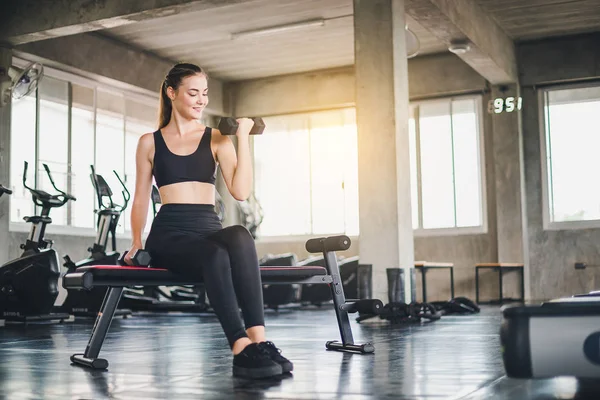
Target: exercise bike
x=84, y=303
x=4, y=190
x=29, y=284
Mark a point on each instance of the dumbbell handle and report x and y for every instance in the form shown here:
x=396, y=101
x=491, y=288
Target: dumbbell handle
x=141, y=258
x=229, y=126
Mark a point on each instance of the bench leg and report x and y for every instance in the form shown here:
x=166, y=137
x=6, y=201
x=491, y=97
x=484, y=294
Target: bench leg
x=522, y=285
x=424, y=283
x=451, y=282
x=99, y=331
x=476, y=285
x=339, y=299
x=500, y=278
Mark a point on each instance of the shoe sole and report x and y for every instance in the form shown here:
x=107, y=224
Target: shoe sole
x=287, y=367
x=257, y=373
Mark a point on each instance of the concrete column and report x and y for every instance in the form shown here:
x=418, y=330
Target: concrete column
x=386, y=234
x=5, y=63
x=507, y=165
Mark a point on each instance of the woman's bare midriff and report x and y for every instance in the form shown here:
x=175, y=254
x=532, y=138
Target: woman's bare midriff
x=188, y=193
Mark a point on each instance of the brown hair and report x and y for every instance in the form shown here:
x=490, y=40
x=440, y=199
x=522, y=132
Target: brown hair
x=173, y=79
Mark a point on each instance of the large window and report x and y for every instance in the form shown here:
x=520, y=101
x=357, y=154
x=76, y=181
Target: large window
x=446, y=165
x=22, y=148
x=306, y=174
x=53, y=140
x=82, y=150
x=306, y=170
x=71, y=123
x=570, y=147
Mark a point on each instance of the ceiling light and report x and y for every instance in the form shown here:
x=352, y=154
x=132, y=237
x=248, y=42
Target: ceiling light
x=278, y=29
x=412, y=43
x=459, y=46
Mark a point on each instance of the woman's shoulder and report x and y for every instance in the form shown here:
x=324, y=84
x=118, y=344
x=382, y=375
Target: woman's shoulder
x=146, y=141
x=147, y=137
x=217, y=136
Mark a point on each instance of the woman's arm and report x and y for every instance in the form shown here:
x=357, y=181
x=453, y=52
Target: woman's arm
x=237, y=168
x=143, y=187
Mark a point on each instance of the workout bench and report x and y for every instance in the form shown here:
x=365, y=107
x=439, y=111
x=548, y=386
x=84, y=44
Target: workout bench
x=116, y=278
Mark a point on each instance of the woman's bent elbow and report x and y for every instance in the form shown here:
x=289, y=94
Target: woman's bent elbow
x=241, y=195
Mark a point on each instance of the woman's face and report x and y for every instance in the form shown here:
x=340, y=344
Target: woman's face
x=191, y=97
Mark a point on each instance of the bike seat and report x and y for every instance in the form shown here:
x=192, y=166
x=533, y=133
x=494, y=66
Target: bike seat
x=37, y=219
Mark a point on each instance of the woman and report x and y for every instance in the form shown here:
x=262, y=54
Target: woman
x=186, y=235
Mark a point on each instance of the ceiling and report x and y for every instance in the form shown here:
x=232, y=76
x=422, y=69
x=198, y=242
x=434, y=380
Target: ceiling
x=535, y=19
x=204, y=37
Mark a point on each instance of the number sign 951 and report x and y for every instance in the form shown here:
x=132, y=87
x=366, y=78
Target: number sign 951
x=500, y=105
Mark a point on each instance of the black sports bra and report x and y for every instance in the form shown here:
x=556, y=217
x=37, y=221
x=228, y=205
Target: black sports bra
x=168, y=168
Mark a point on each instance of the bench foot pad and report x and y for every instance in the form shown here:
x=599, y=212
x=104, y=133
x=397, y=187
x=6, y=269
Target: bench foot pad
x=366, y=348
x=95, y=363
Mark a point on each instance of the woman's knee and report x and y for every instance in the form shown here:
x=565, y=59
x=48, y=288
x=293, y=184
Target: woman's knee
x=238, y=235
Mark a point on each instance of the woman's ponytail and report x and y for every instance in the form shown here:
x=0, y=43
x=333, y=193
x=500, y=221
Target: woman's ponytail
x=165, y=108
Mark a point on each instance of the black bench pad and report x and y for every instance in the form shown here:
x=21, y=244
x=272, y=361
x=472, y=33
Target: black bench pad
x=116, y=276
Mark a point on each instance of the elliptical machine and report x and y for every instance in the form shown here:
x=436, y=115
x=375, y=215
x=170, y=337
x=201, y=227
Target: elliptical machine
x=29, y=284
x=87, y=303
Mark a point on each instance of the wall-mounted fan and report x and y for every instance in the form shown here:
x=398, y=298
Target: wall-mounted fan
x=19, y=82
x=412, y=43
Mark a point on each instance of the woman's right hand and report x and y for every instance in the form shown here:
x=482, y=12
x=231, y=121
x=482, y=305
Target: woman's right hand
x=131, y=252
x=244, y=126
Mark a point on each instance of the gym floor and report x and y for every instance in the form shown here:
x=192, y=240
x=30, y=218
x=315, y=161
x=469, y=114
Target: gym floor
x=182, y=356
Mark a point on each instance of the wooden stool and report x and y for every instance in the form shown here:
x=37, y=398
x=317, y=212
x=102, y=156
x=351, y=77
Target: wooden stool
x=424, y=266
x=501, y=268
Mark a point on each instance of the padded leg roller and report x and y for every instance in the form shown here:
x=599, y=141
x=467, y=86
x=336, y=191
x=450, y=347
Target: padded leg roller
x=359, y=348
x=95, y=363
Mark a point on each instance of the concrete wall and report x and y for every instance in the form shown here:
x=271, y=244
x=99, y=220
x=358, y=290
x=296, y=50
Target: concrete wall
x=552, y=254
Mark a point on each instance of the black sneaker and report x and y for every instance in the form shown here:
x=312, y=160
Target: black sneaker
x=254, y=362
x=275, y=354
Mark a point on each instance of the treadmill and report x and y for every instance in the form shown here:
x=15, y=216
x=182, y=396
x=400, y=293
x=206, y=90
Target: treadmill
x=560, y=337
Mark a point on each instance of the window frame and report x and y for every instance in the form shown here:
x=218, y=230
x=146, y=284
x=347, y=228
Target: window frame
x=547, y=224
x=454, y=231
x=139, y=95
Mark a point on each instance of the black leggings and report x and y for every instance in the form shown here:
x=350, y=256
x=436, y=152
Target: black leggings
x=188, y=239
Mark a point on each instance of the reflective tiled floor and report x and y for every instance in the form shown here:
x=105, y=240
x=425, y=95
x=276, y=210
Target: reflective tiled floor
x=180, y=356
